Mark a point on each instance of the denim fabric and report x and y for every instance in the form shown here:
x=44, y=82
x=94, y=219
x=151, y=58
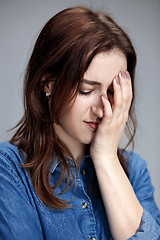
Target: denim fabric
x=23, y=216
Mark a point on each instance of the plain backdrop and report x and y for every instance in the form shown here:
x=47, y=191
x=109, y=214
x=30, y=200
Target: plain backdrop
x=22, y=20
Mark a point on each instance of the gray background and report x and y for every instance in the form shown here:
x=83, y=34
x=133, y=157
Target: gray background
x=20, y=23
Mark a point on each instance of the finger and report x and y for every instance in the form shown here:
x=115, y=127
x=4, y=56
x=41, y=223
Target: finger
x=107, y=110
x=118, y=98
x=126, y=87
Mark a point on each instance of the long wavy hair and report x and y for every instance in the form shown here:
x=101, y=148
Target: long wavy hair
x=62, y=53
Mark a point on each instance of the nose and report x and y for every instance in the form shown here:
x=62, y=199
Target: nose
x=97, y=109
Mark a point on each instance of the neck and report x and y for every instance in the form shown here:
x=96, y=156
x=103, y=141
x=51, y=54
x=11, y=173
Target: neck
x=76, y=148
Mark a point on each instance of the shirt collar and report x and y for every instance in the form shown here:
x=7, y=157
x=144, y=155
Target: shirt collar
x=57, y=163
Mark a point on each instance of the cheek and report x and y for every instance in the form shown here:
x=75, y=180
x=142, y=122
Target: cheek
x=78, y=110
x=83, y=104
x=72, y=113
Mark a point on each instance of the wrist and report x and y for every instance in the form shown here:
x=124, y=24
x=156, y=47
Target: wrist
x=106, y=162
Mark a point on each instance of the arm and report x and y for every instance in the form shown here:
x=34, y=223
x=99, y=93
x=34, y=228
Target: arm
x=123, y=209
x=141, y=182
x=18, y=219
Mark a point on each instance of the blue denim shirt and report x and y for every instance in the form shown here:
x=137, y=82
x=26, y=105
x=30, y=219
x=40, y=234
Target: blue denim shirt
x=23, y=216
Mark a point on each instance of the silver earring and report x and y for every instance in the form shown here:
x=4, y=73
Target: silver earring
x=48, y=94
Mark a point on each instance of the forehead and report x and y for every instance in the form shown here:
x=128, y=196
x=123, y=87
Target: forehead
x=106, y=66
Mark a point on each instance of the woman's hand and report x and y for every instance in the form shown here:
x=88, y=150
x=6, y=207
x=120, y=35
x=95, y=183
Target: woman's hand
x=111, y=128
x=123, y=209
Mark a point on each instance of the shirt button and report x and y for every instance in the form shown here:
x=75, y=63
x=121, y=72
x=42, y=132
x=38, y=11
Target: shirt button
x=83, y=172
x=84, y=205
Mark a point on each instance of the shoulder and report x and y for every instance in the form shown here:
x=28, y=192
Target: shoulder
x=136, y=165
x=17, y=197
x=135, y=161
x=138, y=169
x=10, y=152
x=13, y=175
x=10, y=163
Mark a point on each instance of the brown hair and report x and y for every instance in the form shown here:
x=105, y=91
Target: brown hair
x=62, y=53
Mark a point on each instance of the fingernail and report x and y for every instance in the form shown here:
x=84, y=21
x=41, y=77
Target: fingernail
x=117, y=80
x=123, y=74
x=127, y=74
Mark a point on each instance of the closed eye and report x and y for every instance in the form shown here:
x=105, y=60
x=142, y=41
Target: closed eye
x=84, y=93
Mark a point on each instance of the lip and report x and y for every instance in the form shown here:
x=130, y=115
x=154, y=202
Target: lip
x=92, y=125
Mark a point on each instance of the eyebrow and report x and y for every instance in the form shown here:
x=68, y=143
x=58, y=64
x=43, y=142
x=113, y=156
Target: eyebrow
x=90, y=82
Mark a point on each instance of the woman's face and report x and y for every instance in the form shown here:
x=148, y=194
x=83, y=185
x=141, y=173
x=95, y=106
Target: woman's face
x=79, y=121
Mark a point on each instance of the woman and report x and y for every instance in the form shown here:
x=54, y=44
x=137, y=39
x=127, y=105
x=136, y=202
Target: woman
x=62, y=174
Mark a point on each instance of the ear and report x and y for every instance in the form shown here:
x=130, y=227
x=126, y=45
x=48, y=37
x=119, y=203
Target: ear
x=48, y=88
x=48, y=84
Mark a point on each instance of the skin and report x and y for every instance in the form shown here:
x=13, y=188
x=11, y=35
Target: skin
x=73, y=128
x=96, y=102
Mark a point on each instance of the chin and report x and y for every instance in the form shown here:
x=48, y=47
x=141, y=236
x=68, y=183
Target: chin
x=88, y=141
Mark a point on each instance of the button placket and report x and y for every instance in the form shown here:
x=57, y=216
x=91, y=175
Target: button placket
x=86, y=203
